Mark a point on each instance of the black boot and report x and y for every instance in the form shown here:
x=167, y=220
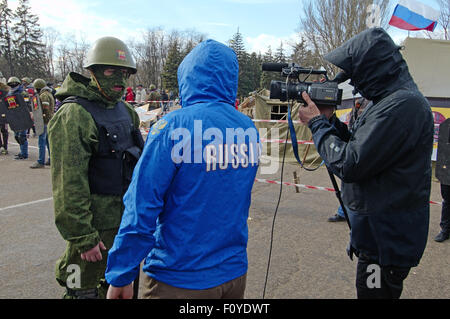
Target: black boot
x=336, y=218
x=442, y=236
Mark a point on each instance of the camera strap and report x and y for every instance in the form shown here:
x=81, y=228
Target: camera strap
x=295, y=142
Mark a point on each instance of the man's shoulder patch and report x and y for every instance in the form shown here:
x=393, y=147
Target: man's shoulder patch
x=158, y=127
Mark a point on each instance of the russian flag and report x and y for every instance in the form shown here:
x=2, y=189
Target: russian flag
x=412, y=15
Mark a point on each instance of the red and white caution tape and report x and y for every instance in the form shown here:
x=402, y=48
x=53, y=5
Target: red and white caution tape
x=295, y=185
x=145, y=102
x=276, y=121
x=295, y=122
x=266, y=181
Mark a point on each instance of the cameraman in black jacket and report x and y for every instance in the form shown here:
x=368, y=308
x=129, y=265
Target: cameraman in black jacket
x=384, y=163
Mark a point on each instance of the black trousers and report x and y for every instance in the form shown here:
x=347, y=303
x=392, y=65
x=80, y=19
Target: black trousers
x=445, y=214
x=376, y=282
x=4, y=136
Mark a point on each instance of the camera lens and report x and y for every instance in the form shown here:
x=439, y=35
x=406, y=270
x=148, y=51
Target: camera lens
x=276, y=90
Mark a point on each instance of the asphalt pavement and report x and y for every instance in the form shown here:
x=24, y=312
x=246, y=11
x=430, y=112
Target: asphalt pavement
x=308, y=258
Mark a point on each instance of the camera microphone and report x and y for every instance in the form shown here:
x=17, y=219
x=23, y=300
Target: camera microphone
x=274, y=67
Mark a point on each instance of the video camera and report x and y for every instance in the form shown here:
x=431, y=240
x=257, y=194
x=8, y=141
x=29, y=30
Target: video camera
x=322, y=93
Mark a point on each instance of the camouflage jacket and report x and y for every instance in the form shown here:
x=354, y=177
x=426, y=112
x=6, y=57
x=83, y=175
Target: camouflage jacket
x=154, y=97
x=73, y=138
x=48, y=104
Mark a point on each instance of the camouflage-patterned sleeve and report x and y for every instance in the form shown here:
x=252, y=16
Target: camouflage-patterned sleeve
x=48, y=106
x=73, y=138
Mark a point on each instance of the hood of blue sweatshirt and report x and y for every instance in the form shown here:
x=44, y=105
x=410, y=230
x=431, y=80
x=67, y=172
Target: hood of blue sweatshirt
x=208, y=73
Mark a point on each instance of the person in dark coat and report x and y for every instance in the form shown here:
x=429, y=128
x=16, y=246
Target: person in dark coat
x=164, y=101
x=443, y=175
x=444, y=234
x=384, y=162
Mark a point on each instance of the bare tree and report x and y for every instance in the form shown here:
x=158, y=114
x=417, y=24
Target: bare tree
x=444, y=18
x=151, y=52
x=71, y=54
x=443, y=22
x=148, y=56
x=327, y=24
x=80, y=48
x=190, y=38
x=50, y=36
x=64, y=65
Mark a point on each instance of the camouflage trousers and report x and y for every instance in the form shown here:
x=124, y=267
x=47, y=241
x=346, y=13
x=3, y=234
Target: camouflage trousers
x=83, y=279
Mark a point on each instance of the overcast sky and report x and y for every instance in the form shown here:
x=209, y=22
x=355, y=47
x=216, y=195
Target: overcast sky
x=261, y=22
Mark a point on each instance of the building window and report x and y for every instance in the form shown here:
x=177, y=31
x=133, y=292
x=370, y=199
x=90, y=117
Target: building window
x=279, y=112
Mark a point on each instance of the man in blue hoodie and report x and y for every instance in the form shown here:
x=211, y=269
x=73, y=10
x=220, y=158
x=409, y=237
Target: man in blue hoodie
x=186, y=209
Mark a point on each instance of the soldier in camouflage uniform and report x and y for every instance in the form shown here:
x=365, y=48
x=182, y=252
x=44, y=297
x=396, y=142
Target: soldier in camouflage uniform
x=48, y=105
x=83, y=152
x=154, y=97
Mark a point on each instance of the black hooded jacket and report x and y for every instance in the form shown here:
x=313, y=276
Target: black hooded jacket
x=385, y=161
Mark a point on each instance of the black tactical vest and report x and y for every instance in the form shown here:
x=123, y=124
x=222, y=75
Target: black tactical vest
x=120, y=146
x=17, y=112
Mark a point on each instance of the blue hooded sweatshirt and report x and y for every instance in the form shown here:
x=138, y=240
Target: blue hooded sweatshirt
x=186, y=209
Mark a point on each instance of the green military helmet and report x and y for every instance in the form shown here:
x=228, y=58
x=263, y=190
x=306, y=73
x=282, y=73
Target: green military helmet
x=13, y=80
x=110, y=51
x=39, y=84
x=152, y=87
x=26, y=80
